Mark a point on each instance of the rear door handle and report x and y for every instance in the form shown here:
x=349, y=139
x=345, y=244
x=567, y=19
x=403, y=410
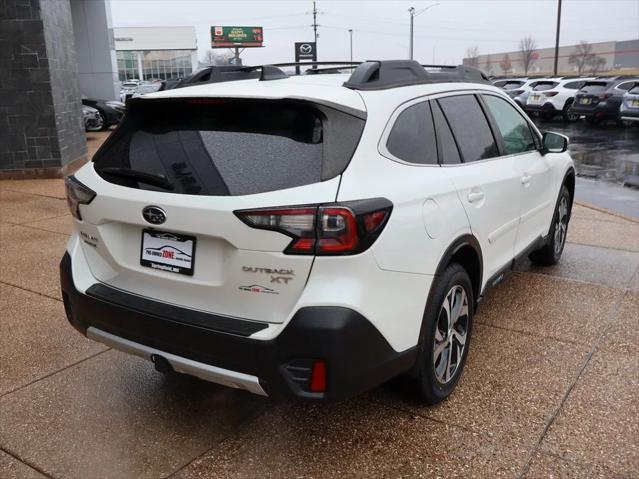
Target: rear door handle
x=526, y=179
x=475, y=196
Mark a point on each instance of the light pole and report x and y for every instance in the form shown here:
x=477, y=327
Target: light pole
x=413, y=13
x=557, y=36
x=350, y=32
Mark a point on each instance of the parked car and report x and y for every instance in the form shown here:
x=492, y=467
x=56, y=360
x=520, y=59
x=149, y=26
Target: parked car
x=600, y=99
x=146, y=88
x=294, y=240
x=554, y=97
x=92, y=119
x=629, y=109
x=127, y=89
x=111, y=111
x=521, y=92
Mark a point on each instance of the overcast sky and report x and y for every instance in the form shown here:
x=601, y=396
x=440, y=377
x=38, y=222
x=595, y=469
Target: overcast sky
x=380, y=28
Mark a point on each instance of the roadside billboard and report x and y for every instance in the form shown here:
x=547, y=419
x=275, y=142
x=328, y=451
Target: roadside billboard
x=240, y=37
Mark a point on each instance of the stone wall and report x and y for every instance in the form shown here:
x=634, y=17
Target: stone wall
x=40, y=106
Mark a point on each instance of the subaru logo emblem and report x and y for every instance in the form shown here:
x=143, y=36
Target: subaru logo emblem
x=154, y=215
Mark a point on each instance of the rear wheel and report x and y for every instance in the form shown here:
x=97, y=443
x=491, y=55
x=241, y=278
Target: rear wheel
x=567, y=115
x=448, y=327
x=550, y=253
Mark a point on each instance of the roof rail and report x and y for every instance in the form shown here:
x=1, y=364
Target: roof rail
x=381, y=75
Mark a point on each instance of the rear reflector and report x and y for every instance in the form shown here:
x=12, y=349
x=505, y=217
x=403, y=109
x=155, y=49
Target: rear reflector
x=318, y=377
x=335, y=229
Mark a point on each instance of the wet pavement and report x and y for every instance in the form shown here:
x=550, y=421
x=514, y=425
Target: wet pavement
x=550, y=388
x=606, y=157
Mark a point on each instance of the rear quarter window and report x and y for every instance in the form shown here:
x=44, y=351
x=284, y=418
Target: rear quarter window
x=412, y=138
x=228, y=147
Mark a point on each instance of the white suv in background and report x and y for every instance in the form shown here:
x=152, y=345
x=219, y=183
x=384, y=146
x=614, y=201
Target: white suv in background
x=315, y=235
x=551, y=97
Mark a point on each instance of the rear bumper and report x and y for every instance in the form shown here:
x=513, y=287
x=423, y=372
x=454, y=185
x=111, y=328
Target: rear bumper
x=599, y=111
x=357, y=356
x=545, y=108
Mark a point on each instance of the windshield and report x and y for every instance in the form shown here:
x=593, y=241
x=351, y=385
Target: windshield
x=222, y=147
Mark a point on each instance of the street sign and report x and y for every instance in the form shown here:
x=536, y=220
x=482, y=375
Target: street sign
x=241, y=37
x=305, y=51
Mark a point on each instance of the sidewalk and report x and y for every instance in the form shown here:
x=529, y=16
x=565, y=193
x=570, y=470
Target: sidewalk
x=550, y=387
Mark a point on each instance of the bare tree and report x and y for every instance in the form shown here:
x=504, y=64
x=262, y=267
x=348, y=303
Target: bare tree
x=216, y=57
x=582, y=56
x=597, y=64
x=489, y=65
x=527, y=47
x=505, y=64
x=472, y=57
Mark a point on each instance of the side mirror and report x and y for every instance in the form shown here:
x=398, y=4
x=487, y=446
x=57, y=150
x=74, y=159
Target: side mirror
x=554, y=143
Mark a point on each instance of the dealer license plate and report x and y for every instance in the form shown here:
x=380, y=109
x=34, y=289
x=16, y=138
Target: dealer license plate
x=171, y=252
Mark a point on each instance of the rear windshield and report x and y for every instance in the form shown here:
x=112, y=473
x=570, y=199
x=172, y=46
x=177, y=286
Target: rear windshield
x=227, y=147
x=594, y=87
x=545, y=85
x=512, y=84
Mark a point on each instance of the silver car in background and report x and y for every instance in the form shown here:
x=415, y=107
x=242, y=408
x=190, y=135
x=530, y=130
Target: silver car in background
x=629, y=109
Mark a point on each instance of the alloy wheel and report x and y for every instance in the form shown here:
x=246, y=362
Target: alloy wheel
x=450, y=334
x=561, y=225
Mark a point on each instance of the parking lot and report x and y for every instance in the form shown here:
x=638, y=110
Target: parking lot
x=550, y=389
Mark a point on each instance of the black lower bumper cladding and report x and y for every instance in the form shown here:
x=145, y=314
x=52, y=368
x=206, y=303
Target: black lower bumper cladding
x=357, y=356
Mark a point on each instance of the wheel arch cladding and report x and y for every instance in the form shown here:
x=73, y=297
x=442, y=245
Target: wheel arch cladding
x=569, y=182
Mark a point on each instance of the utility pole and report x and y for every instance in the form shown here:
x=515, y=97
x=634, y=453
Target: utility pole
x=350, y=32
x=315, y=23
x=557, y=36
x=413, y=14
x=411, y=11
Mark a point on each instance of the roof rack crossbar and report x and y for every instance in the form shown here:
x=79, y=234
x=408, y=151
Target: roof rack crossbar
x=381, y=75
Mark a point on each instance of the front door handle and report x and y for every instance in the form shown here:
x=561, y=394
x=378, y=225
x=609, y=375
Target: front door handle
x=475, y=196
x=525, y=180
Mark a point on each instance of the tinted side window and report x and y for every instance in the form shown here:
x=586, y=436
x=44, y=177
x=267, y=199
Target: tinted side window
x=574, y=85
x=470, y=127
x=513, y=128
x=625, y=86
x=449, y=154
x=412, y=138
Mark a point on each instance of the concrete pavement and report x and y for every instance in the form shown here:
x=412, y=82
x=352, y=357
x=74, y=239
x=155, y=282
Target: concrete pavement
x=550, y=387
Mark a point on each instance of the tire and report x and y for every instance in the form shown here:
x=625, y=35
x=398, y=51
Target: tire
x=105, y=125
x=550, y=253
x=442, y=342
x=567, y=116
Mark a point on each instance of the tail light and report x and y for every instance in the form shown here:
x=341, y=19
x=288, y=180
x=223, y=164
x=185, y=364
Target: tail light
x=605, y=96
x=331, y=229
x=77, y=194
x=551, y=93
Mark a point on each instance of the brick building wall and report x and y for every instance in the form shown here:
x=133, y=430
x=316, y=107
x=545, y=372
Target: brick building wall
x=40, y=109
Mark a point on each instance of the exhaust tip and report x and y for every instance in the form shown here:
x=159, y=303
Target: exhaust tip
x=161, y=364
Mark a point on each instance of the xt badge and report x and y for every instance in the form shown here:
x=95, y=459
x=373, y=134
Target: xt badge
x=279, y=276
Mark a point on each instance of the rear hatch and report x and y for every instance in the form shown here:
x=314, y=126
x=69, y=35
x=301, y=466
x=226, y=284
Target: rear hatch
x=542, y=91
x=631, y=99
x=170, y=180
x=589, y=96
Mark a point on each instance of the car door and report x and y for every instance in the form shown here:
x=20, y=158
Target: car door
x=488, y=185
x=536, y=189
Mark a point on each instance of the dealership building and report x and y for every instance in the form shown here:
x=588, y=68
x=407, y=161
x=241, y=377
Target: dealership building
x=612, y=56
x=155, y=53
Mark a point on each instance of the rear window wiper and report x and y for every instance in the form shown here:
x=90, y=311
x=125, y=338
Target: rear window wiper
x=154, y=179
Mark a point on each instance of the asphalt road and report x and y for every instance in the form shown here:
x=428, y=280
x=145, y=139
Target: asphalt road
x=607, y=162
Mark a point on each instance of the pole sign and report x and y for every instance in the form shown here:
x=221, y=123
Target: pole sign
x=305, y=51
x=241, y=37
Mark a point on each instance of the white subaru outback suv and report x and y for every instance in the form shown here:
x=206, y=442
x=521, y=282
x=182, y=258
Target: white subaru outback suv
x=313, y=235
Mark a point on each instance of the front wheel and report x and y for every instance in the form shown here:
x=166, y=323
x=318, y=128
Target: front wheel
x=550, y=253
x=448, y=327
